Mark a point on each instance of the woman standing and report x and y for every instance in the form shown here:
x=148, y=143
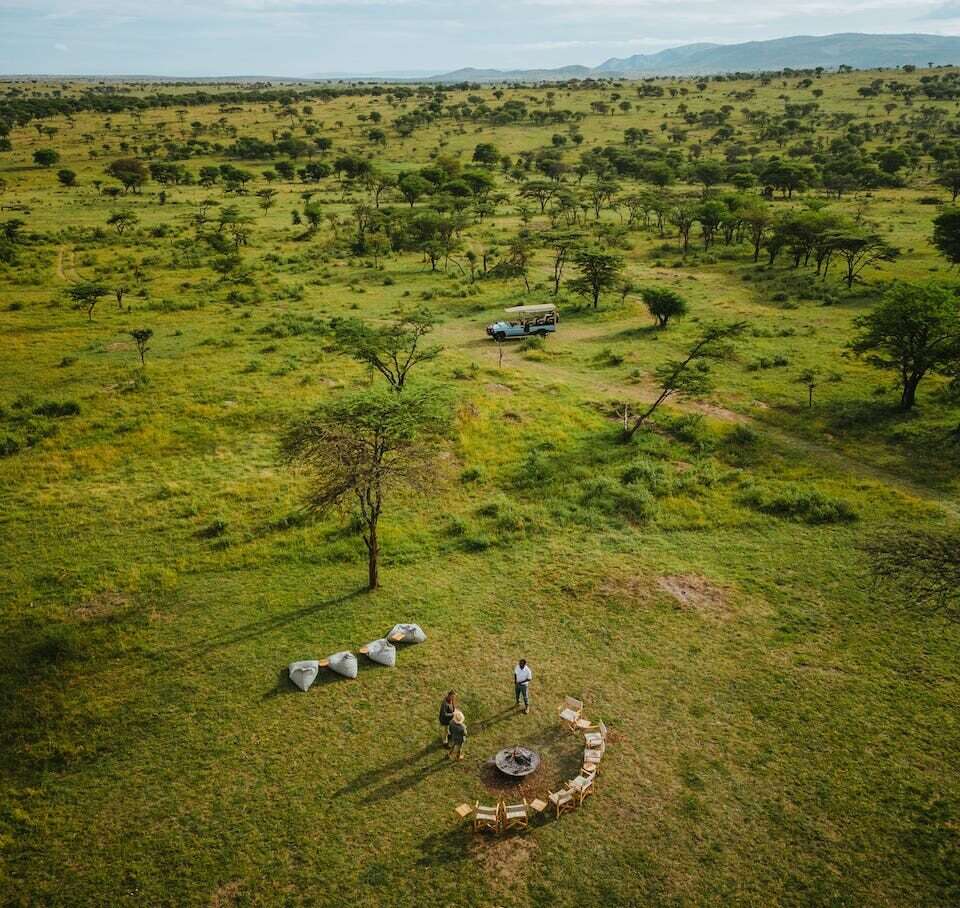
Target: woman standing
x=458, y=734
x=447, y=709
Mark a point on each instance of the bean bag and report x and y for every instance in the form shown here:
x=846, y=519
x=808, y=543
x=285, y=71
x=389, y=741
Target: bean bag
x=382, y=651
x=344, y=664
x=408, y=633
x=303, y=674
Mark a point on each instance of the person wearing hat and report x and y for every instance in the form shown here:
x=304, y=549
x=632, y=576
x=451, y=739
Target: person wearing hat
x=458, y=734
x=522, y=676
x=447, y=709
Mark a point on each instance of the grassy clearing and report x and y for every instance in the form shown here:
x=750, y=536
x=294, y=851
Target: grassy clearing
x=783, y=735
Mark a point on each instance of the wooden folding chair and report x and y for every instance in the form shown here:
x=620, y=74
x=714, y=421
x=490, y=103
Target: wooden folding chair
x=486, y=819
x=562, y=800
x=596, y=740
x=581, y=787
x=516, y=816
x=463, y=811
x=570, y=711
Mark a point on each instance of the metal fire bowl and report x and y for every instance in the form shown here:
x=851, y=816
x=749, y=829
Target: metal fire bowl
x=517, y=762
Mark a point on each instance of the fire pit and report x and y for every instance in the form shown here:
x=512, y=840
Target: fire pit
x=517, y=761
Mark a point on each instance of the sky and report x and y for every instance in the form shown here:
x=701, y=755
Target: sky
x=295, y=38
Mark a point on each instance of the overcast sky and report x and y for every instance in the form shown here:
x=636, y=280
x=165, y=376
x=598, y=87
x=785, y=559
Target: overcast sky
x=303, y=37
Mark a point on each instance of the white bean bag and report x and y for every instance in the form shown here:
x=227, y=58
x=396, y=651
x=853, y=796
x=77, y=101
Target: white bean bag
x=411, y=633
x=303, y=674
x=344, y=664
x=382, y=651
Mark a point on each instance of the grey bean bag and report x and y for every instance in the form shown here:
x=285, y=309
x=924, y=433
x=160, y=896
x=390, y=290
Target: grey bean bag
x=382, y=651
x=408, y=633
x=344, y=664
x=303, y=674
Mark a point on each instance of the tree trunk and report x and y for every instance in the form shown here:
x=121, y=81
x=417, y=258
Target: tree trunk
x=909, y=396
x=373, y=560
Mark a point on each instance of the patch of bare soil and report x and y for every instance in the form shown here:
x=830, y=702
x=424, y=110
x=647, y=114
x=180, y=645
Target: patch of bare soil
x=100, y=606
x=629, y=588
x=226, y=895
x=695, y=593
x=495, y=388
x=504, y=859
x=529, y=787
x=716, y=412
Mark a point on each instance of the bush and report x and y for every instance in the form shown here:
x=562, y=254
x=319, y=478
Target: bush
x=796, y=502
x=651, y=476
x=616, y=500
x=57, y=410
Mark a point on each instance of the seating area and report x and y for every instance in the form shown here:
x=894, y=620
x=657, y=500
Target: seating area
x=503, y=817
x=383, y=651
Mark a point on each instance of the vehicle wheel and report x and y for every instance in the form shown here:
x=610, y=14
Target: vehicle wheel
x=500, y=337
x=542, y=333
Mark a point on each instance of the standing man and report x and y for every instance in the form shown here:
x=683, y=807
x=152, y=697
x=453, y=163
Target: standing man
x=522, y=676
x=447, y=709
x=458, y=734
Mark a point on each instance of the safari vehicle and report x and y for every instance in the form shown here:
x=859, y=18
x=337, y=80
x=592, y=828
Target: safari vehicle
x=523, y=321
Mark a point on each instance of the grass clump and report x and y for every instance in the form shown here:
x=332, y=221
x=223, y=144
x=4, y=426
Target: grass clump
x=794, y=501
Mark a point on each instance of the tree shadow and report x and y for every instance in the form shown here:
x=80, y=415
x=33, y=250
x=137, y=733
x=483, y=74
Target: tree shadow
x=256, y=629
x=483, y=724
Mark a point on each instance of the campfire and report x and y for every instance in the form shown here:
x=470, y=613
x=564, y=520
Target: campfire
x=517, y=761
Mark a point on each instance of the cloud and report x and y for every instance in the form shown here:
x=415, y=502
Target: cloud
x=59, y=46
x=944, y=11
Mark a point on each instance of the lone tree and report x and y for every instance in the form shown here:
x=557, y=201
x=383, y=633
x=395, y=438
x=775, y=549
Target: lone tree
x=131, y=172
x=46, y=157
x=597, y=271
x=946, y=235
x=359, y=448
x=121, y=220
x=142, y=337
x=858, y=249
x=67, y=177
x=914, y=330
x=690, y=375
x=393, y=350
x=664, y=304
x=87, y=294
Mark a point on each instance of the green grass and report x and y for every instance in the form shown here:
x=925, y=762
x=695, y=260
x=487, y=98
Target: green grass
x=785, y=735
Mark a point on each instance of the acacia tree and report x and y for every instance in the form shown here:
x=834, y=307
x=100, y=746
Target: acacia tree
x=560, y=242
x=359, y=448
x=663, y=304
x=141, y=337
x=87, y=294
x=915, y=330
x=393, y=350
x=858, y=249
x=690, y=375
x=946, y=235
x=597, y=271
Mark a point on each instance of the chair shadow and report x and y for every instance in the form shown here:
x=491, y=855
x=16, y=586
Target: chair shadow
x=285, y=686
x=445, y=847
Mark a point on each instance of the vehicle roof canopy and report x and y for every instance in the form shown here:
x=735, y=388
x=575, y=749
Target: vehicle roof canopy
x=532, y=310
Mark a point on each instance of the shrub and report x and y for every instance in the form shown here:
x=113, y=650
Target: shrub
x=648, y=474
x=616, y=500
x=57, y=410
x=797, y=502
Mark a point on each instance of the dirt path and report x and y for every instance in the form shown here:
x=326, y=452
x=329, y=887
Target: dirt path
x=644, y=393
x=66, y=267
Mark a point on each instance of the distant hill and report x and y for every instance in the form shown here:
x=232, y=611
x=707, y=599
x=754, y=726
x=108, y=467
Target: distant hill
x=799, y=52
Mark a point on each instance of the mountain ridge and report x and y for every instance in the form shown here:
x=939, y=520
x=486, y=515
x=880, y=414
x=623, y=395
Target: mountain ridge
x=859, y=50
